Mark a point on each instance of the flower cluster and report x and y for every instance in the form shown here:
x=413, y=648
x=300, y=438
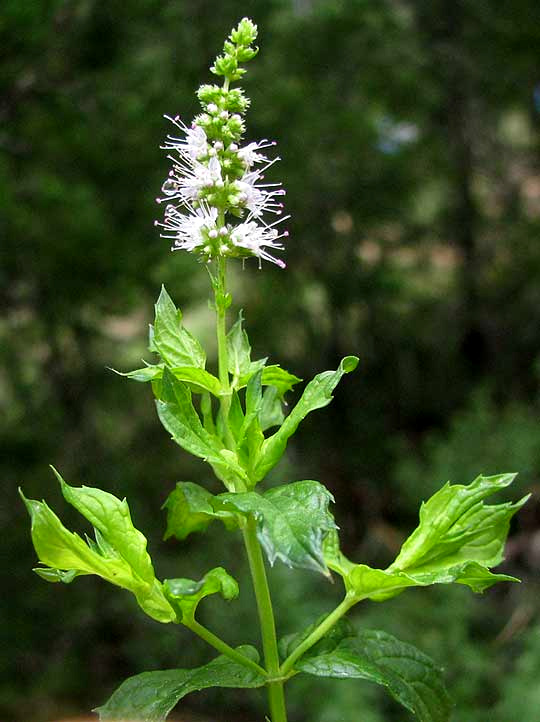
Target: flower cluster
x=217, y=202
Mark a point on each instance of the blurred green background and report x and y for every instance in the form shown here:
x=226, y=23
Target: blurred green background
x=410, y=137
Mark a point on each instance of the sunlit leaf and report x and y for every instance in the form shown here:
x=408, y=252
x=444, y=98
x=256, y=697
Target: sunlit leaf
x=178, y=416
x=292, y=521
x=174, y=343
x=185, y=594
x=317, y=394
x=119, y=554
x=458, y=539
x=189, y=509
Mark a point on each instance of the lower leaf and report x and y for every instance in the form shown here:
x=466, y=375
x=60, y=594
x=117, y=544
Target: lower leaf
x=410, y=677
x=150, y=696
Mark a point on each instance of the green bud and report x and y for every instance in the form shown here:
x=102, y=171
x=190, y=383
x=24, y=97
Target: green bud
x=245, y=33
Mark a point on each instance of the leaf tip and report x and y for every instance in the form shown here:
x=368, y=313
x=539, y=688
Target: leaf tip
x=349, y=363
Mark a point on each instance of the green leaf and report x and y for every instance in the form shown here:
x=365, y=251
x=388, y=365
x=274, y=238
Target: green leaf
x=150, y=696
x=189, y=509
x=292, y=521
x=410, y=676
x=280, y=379
x=317, y=394
x=271, y=413
x=197, y=379
x=457, y=540
x=178, y=416
x=456, y=526
x=174, y=343
x=238, y=350
x=185, y=594
x=118, y=555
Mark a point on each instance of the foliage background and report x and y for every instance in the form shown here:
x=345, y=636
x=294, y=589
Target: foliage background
x=410, y=136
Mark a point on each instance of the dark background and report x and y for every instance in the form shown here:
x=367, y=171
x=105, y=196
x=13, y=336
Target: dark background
x=410, y=137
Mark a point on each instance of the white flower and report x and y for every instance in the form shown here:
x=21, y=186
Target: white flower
x=193, y=146
x=257, y=197
x=186, y=181
x=255, y=239
x=249, y=155
x=189, y=231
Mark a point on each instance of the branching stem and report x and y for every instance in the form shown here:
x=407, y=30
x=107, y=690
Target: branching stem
x=223, y=647
x=317, y=634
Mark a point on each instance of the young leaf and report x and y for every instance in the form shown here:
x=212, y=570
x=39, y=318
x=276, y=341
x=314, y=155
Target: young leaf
x=457, y=540
x=271, y=413
x=455, y=526
x=280, y=379
x=197, y=379
x=292, y=521
x=150, y=696
x=410, y=676
x=189, y=509
x=238, y=350
x=119, y=554
x=317, y=394
x=185, y=594
x=174, y=343
x=178, y=416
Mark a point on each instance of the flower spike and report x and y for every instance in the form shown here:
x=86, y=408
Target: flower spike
x=216, y=200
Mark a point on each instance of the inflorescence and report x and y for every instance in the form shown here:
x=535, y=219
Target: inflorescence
x=217, y=200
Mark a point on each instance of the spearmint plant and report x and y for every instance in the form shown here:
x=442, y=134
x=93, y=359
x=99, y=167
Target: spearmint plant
x=217, y=205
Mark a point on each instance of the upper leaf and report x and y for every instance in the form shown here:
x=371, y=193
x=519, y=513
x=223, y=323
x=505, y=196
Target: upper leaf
x=410, y=676
x=119, y=554
x=292, y=521
x=238, y=350
x=178, y=416
x=197, y=379
x=280, y=379
x=150, y=696
x=189, y=509
x=185, y=594
x=174, y=343
x=317, y=394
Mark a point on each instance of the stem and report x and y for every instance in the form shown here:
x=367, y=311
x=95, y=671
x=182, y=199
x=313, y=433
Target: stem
x=317, y=634
x=276, y=696
x=223, y=647
x=220, y=295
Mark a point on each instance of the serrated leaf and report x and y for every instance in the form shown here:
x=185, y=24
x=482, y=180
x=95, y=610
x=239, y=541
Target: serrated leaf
x=292, y=521
x=174, y=343
x=271, y=413
x=118, y=556
x=189, y=509
x=238, y=349
x=197, y=379
x=178, y=416
x=317, y=394
x=456, y=526
x=150, y=696
x=185, y=594
x=280, y=379
x=409, y=675
x=457, y=540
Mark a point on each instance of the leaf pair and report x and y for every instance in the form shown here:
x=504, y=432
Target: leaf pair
x=408, y=675
x=118, y=555
x=292, y=520
x=457, y=540
x=251, y=455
